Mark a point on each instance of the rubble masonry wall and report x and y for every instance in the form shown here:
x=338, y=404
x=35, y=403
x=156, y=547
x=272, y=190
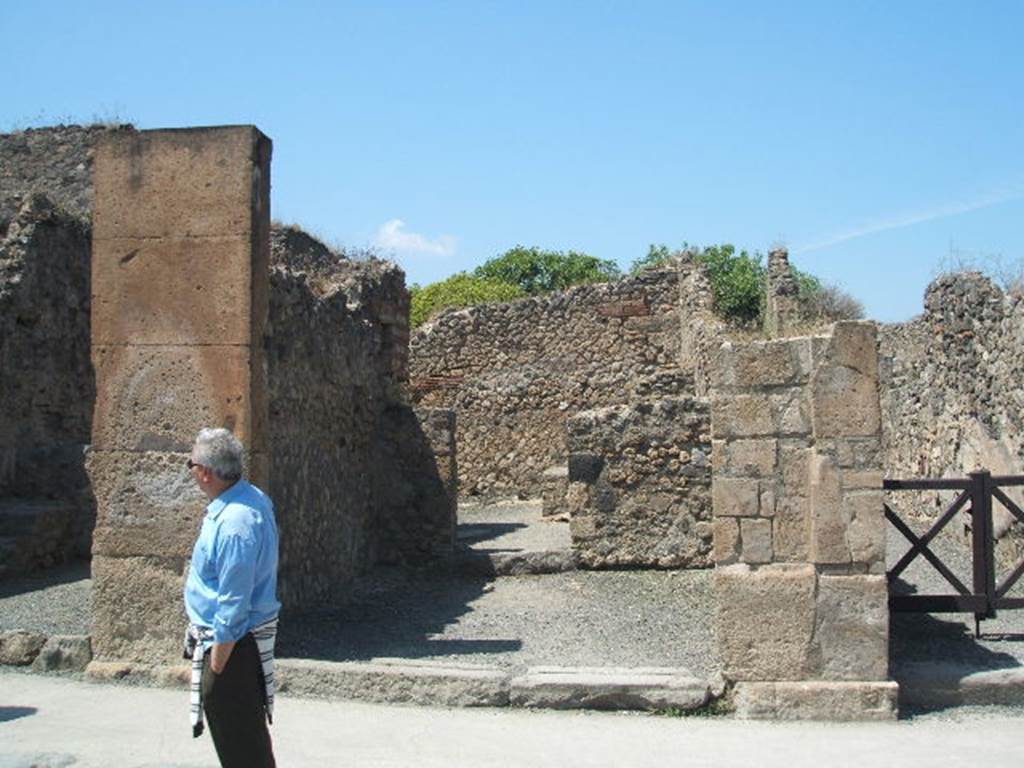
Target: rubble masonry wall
x=639, y=485
x=516, y=372
x=46, y=381
x=352, y=472
x=951, y=394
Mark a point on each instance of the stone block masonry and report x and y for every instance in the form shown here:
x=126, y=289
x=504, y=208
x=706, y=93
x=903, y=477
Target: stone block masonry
x=180, y=296
x=799, y=531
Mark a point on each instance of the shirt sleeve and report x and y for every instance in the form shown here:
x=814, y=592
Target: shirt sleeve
x=236, y=560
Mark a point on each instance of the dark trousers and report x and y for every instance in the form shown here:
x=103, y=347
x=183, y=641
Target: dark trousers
x=233, y=702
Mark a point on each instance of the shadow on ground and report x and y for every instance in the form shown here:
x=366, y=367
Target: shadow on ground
x=391, y=614
x=471, y=534
x=946, y=646
x=66, y=573
x=14, y=713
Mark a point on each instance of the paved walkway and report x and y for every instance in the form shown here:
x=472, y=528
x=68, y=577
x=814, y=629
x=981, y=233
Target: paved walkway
x=49, y=722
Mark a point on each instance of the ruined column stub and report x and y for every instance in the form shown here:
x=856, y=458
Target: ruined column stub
x=782, y=312
x=799, y=530
x=180, y=287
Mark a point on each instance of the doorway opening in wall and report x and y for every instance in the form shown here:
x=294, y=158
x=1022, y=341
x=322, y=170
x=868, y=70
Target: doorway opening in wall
x=955, y=566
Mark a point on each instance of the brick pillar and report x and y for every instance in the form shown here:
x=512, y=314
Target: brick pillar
x=803, y=622
x=180, y=284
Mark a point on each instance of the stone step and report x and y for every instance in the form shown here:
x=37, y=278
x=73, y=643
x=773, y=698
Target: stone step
x=610, y=688
x=941, y=684
x=454, y=685
x=514, y=563
x=398, y=681
x=450, y=684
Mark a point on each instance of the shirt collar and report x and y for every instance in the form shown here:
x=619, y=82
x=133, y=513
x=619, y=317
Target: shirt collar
x=215, y=507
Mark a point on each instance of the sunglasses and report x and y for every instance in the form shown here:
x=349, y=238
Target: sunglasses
x=191, y=464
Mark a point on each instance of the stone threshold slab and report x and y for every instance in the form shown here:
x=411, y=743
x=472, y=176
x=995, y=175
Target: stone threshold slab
x=432, y=683
x=515, y=563
x=945, y=684
x=395, y=681
x=610, y=688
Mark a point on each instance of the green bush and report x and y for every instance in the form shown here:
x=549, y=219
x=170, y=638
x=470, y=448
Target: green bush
x=535, y=271
x=737, y=281
x=459, y=290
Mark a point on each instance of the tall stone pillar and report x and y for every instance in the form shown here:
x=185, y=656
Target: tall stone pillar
x=782, y=310
x=180, y=281
x=799, y=528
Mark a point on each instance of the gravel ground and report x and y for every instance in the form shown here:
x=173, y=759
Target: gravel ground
x=626, y=619
x=54, y=602
x=585, y=618
x=581, y=618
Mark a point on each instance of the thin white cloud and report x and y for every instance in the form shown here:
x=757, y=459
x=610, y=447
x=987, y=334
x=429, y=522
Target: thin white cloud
x=910, y=219
x=393, y=236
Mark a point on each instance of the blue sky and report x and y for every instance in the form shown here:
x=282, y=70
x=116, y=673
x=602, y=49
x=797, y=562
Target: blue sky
x=872, y=138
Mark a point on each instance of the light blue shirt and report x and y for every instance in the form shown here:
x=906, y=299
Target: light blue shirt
x=232, y=581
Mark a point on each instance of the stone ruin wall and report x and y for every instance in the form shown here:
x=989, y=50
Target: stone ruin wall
x=952, y=398
x=302, y=353
x=639, y=490
x=352, y=469
x=46, y=380
x=56, y=161
x=515, y=373
x=336, y=344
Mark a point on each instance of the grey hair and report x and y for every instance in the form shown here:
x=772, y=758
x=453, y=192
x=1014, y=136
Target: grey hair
x=221, y=451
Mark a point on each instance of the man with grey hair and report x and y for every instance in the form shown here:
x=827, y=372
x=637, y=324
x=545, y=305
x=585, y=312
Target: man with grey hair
x=232, y=606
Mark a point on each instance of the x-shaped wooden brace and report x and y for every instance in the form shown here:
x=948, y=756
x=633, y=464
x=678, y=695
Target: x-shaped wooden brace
x=1014, y=510
x=919, y=545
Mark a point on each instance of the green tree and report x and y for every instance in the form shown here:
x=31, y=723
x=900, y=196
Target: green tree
x=536, y=271
x=459, y=290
